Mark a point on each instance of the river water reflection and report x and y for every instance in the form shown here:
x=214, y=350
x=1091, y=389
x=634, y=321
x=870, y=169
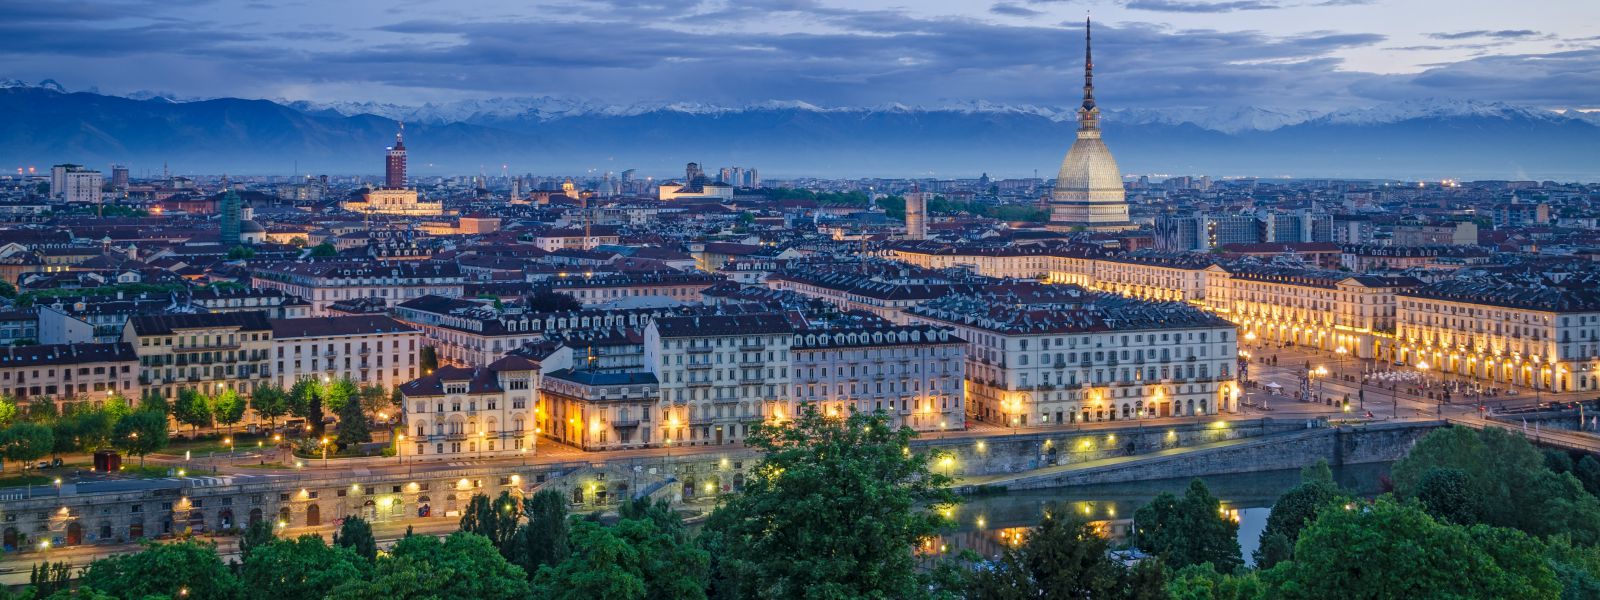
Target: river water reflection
x=988, y=524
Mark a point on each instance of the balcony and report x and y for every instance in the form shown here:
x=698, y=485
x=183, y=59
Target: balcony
x=698, y=350
x=624, y=423
x=697, y=366
x=753, y=346
x=725, y=400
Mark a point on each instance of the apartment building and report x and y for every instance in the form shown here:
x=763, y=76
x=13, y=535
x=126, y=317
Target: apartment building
x=1328, y=310
x=1074, y=355
x=911, y=373
x=367, y=349
x=64, y=373
x=718, y=374
x=204, y=351
x=1536, y=330
x=471, y=412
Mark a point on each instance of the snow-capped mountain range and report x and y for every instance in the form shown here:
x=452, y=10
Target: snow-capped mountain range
x=1405, y=140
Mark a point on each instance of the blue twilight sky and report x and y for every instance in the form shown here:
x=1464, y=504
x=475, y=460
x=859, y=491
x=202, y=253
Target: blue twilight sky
x=1314, y=54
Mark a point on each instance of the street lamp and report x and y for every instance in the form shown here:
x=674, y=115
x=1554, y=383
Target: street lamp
x=324, y=445
x=1438, y=405
x=400, y=447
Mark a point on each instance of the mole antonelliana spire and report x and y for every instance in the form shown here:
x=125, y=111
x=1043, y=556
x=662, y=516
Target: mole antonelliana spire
x=1088, y=192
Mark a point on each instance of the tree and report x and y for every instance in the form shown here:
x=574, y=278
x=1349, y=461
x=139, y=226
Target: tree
x=42, y=412
x=636, y=558
x=271, y=402
x=551, y=301
x=48, y=578
x=1445, y=493
x=240, y=252
x=356, y=534
x=542, y=539
x=495, y=520
x=153, y=400
x=353, y=427
x=1508, y=479
x=228, y=408
x=141, y=433
x=8, y=410
x=423, y=567
x=1203, y=582
x=193, y=409
x=428, y=360
x=305, y=567
x=92, y=427
x=1294, y=510
x=1390, y=550
x=1588, y=473
x=339, y=392
x=324, y=250
x=833, y=509
x=257, y=534
x=7, y=290
x=116, y=407
x=305, y=401
x=1064, y=557
x=374, y=399
x=1557, y=460
x=1189, y=531
x=26, y=442
x=185, y=569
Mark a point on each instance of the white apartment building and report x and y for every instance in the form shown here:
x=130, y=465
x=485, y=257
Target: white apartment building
x=471, y=412
x=912, y=373
x=73, y=183
x=367, y=349
x=1083, y=356
x=1328, y=310
x=718, y=374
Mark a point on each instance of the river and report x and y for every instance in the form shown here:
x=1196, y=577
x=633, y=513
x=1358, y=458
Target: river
x=989, y=523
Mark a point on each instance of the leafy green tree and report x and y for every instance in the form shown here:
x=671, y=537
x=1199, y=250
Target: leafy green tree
x=1445, y=493
x=1189, y=531
x=48, y=578
x=92, y=427
x=1557, y=460
x=41, y=412
x=26, y=442
x=8, y=410
x=1508, y=479
x=305, y=401
x=427, y=360
x=1294, y=510
x=1203, y=582
x=422, y=567
x=305, y=567
x=1390, y=550
x=1588, y=473
x=1064, y=557
x=153, y=400
x=256, y=535
x=184, y=569
x=551, y=301
x=495, y=520
x=339, y=392
x=228, y=408
x=64, y=435
x=374, y=399
x=353, y=426
x=542, y=539
x=832, y=510
x=193, y=409
x=356, y=534
x=240, y=252
x=141, y=433
x=7, y=290
x=634, y=559
x=116, y=407
x=270, y=401
x=324, y=250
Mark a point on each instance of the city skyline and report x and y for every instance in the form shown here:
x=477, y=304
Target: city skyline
x=1322, y=56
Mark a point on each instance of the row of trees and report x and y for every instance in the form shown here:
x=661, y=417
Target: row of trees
x=40, y=429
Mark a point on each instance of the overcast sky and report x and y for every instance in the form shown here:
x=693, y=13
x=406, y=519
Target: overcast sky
x=1315, y=54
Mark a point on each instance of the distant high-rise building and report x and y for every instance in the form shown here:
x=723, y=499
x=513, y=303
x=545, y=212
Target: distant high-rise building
x=228, y=208
x=726, y=176
x=394, y=175
x=916, y=214
x=74, y=183
x=1088, y=190
x=752, y=179
x=119, y=178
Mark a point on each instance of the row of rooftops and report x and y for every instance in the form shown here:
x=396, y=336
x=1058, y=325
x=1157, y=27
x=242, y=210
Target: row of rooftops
x=1088, y=312
x=253, y=320
x=1316, y=277
x=1566, y=292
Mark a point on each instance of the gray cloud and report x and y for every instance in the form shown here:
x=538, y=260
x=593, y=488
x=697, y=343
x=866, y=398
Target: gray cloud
x=686, y=50
x=1013, y=10
x=1500, y=34
x=1200, y=6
